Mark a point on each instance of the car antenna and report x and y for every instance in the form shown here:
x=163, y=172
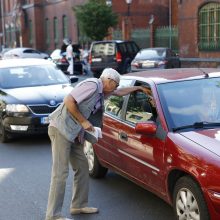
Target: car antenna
x=206, y=74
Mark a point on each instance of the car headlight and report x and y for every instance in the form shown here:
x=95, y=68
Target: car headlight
x=16, y=108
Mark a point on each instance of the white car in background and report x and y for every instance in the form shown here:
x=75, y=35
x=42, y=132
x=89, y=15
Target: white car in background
x=24, y=52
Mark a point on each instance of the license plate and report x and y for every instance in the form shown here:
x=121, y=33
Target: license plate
x=149, y=64
x=45, y=120
x=96, y=59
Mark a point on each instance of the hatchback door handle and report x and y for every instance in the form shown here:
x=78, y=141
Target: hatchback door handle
x=123, y=136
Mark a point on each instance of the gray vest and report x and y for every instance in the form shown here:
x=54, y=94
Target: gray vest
x=67, y=125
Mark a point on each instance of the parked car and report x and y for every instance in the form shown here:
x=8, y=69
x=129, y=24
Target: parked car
x=157, y=142
x=4, y=50
x=159, y=58
x=115, y=54
x=62, y=63
x=30, y=89
x=24, y=52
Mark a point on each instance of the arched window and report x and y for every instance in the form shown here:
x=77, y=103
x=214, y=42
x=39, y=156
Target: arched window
x=55, y=31
x=64, y=26
x=209, y=27
x=31, y=34
x=47, y=32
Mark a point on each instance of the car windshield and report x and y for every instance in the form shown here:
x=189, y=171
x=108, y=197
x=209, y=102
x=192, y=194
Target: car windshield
x=190, y=103
x=26, y=76
x=151, y=54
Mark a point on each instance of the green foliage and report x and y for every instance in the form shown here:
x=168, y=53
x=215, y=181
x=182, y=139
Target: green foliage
x=95, y=18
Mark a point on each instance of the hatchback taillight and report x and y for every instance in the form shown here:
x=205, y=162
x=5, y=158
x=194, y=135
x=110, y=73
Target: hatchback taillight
x=118, y=57
x=63, y=60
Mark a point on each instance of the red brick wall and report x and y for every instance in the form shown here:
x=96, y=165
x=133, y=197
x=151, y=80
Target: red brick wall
x=141, y=11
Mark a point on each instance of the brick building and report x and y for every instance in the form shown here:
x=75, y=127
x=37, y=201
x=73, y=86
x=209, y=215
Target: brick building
x=43, y=24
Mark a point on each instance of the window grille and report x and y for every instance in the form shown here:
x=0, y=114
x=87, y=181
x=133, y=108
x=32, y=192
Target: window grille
x=209, y=27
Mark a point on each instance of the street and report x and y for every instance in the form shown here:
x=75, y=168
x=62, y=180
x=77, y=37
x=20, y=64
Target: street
x=24, y=183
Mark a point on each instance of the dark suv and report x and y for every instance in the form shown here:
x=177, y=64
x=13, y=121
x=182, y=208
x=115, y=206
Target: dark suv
x=116, y=54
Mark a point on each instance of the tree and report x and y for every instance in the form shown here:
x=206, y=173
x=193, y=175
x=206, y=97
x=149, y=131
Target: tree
x=95, y=18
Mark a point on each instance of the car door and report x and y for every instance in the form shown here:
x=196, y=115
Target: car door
x=107, y=149
x=141, y=155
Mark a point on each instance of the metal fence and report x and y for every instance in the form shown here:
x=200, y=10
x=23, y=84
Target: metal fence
x=163, y=37
x=166, y=37
x=141, y=37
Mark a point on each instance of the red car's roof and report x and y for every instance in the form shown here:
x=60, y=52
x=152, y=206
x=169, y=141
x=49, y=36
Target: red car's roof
x=169, y=75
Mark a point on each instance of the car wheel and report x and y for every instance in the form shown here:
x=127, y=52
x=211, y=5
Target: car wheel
x=4, y=136
x=188, y=200
x=96, y=170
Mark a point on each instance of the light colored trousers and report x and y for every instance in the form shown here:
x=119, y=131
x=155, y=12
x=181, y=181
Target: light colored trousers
x=70, y=68
x=64, y=152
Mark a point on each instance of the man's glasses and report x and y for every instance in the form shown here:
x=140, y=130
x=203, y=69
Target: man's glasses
x=116, y=83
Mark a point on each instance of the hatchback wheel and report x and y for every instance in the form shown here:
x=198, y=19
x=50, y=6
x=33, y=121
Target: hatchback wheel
x=4, y=136
x=96, y=170
x=188, y=200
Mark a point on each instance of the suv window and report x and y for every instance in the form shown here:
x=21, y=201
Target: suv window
x=101, y=49
x=129, y=48
x=122, y=48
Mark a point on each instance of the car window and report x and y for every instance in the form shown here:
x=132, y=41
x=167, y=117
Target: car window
x=113, y=105
x=129, y=48
x=122, y=48
x=140, y=108
x=31, y=76
x=134, y=47
x=151, y=54
x=101, y=49
x=202, y=106
x=29, y=51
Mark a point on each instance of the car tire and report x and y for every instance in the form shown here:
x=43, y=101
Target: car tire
x=4, y=135
x=96, y=170
x=184, y=207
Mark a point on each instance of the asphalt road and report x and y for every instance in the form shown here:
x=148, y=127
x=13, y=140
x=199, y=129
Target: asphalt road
x=24, y=183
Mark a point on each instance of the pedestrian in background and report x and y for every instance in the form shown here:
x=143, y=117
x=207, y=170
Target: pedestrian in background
x=67, y=125
x=69, y=55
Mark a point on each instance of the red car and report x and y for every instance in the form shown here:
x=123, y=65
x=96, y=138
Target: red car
x=167, y=141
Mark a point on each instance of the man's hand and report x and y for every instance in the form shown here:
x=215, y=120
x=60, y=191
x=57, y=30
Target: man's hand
x=87, y=126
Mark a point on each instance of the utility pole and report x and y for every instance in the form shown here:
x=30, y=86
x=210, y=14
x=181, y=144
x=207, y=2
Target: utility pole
x=3, y=22
x=170, y=24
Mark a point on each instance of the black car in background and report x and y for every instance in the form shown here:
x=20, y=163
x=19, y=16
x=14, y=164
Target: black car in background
x=158, y=57
x=30, y=89
x=115, y=54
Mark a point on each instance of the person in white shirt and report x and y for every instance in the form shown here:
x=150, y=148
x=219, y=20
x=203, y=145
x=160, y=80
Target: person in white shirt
x=69, y=55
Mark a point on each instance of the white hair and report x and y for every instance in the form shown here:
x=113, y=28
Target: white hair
x=109, y=73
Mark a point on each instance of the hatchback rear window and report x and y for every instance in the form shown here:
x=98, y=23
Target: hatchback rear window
x=101, y=49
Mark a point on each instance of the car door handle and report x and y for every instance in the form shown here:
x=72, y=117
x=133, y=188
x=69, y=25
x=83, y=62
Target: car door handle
x=123, y=136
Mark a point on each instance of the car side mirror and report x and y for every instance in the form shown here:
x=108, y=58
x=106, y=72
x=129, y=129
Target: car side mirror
x=74, y=79
x=149, y=127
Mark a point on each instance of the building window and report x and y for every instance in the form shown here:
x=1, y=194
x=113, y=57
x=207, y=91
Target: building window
x=209, y=27
x=47, y=31
x=64, y=26
x=55, y=32
x=31, y=32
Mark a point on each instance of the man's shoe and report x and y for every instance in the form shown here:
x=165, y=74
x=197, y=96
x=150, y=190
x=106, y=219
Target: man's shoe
x=85, y=210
